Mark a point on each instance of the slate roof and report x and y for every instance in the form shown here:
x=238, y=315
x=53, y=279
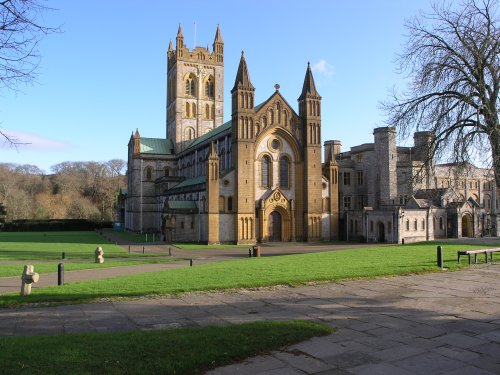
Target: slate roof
x=156, y=146
x=190, y=182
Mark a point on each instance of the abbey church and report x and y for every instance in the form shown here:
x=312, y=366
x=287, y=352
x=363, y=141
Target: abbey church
x=255, y=178
x=259, y=177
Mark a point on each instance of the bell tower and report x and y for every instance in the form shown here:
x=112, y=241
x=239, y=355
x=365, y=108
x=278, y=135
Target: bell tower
x=243, y=147
x=195, y=90
x=310, y=113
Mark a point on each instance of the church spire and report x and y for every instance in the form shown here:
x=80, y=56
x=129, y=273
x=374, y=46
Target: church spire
x=179, y=32
x=170, y=47
x=309, y=87
x=218, y=35
x=242, y=77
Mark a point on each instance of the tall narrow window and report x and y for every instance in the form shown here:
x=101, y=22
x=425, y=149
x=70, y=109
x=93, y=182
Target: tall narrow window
x=284, y=172
x=265, y=169
x=193, y=109
x=209, y=88
x=207, y=111
x=190, y=89
x=223, y=160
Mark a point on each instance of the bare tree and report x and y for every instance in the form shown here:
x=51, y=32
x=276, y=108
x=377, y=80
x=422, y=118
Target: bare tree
x=20, y=33
x=451, y=59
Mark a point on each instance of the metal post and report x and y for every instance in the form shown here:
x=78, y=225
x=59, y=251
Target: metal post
x=129, y=249
x=143, y=250
x=63, y=255
x=249, y=253
x=60, y=274
x=169, y=252
x=440, y=257
x=190, y=262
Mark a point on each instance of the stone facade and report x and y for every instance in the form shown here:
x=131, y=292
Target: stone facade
x=394, y=194
x=255, y=178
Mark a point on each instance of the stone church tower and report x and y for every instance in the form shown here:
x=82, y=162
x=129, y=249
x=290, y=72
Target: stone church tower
x=243, y=145
x=310, y=112
x=195, y=90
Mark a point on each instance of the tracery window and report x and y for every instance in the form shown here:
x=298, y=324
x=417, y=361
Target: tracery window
x=265, y=169
x=284, y=172
x=190, y=87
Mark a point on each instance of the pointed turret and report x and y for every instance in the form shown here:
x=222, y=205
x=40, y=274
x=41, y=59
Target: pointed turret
x=179, y=41
x=170, y=46
x=137, y=143
x=309, y=88
x=218, y=35
x=212, y=184
x=242, y=77
x=218, y=46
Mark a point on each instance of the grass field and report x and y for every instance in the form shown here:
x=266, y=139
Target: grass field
x=175, y=351
x=256, y=272
x=50, y=245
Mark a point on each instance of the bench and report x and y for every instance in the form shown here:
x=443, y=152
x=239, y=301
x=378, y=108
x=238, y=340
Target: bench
x=476, y=252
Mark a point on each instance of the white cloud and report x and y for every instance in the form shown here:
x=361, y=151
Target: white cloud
x=322, y=67
x=29, y=141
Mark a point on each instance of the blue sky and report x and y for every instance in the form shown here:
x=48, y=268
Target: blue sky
x=105, y=74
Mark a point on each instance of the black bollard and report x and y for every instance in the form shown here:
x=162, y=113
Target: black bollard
x=63, y=255
x=249, y=253
x=169, y=252
x=440, y=257
x=143, y=251
x=60, y=274
x=190, y=263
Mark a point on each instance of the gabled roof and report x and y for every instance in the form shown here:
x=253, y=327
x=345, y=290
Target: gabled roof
x=156, y=146
x=276, y=93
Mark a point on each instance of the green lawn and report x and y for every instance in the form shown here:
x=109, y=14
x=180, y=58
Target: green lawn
x=256, y=272
x=7, y=270
x=50, y=246
x=176, y=351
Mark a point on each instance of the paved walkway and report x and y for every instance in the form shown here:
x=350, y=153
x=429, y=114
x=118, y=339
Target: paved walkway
x=446, y=323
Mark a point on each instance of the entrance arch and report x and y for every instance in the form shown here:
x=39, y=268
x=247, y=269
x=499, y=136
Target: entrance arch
x=275, y=227
x=467, y=227
x=381, y=232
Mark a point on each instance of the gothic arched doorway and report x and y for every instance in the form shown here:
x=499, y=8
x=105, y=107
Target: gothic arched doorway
x=381, y=232
x=467, y=227
x=275, y=226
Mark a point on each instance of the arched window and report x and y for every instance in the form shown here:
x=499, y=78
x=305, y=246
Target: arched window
x=284, y=172
x=188, y=110
x=190, y=86
x=264, y=173
x=209, y=87
x=149, y=173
